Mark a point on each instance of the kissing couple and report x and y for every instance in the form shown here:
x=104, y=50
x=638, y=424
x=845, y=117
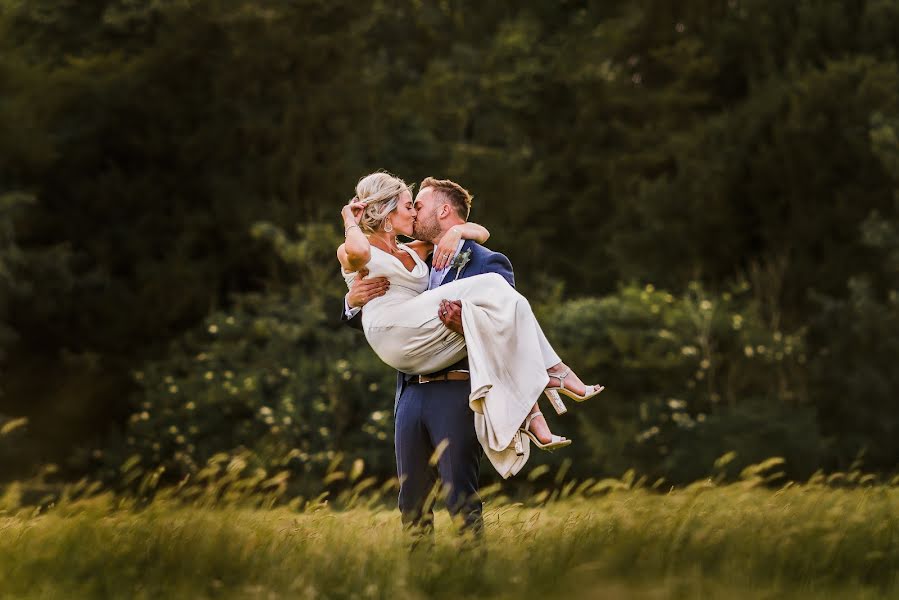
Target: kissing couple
x=470, y=370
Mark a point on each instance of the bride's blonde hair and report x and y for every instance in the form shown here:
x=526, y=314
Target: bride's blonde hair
x=381, y=194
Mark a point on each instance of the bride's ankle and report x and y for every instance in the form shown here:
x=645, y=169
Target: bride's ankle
x=539, y=427
x=566, y=378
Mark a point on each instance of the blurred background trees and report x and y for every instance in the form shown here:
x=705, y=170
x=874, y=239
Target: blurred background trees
x=700, y=197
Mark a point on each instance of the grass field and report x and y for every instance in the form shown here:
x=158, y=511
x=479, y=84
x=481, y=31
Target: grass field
x=704, y=541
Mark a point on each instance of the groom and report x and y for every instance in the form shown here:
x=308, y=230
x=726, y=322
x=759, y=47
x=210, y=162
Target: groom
x=431, y=409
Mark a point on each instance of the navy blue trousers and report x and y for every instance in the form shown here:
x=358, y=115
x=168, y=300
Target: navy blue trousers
x=427, y=414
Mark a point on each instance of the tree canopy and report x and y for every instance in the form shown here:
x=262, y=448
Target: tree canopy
x=742, y=145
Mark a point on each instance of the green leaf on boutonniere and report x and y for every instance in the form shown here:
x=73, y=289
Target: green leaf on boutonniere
x=460, y=261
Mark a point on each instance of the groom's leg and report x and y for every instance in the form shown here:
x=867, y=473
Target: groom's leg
x=448, y=417
x=417, y=477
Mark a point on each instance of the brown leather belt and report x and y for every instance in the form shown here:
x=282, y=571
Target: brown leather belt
x=447, y=376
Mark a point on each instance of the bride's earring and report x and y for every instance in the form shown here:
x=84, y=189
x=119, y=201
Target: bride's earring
x=388, y=226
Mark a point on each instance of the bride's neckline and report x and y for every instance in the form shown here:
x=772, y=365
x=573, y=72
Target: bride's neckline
x=414, y=255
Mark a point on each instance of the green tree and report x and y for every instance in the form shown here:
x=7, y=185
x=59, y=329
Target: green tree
x=660, y=141
x=12, y=261
x=689, y=377
x=857, y=337
x=272, y=378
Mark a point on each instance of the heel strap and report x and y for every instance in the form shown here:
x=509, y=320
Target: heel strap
x=529, y=418
x=561, y=377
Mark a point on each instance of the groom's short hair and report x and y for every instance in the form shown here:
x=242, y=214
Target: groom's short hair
x=454, y=193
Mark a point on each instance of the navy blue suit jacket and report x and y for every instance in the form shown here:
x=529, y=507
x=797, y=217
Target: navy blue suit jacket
x=482, y=260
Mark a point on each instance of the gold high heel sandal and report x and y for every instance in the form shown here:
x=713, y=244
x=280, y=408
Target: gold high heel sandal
x=553, y=392
x=556, y=442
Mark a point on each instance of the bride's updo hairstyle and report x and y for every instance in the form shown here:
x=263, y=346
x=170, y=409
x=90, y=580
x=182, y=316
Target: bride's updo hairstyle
x=381, y=194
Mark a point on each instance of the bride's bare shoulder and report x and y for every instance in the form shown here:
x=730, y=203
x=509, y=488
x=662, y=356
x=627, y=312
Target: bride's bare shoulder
x=423, y=249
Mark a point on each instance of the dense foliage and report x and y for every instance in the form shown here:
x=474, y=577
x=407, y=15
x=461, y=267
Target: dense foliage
x=739, y=158
x=274, y=378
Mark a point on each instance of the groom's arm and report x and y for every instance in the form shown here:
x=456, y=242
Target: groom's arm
x=352, y=317
x=498, y=263
x=362, y=291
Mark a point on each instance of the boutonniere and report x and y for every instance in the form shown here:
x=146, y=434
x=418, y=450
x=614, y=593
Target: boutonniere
x=460, y=261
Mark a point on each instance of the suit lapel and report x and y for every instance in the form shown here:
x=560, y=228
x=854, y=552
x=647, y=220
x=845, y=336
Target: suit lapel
x=454, y=274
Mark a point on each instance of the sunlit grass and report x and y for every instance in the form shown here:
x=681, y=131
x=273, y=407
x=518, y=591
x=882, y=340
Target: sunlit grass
x=707, y=540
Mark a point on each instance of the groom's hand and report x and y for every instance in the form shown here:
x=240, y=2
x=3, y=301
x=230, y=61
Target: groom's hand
x=450, y=312
x=363, y=290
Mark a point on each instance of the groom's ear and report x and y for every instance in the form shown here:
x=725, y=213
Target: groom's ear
x=445, y=210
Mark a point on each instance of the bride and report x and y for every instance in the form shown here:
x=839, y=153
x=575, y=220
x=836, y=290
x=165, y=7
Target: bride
x=510, y=360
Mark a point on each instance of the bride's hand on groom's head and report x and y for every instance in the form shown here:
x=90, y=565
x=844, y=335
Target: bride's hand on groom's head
x=364, y=290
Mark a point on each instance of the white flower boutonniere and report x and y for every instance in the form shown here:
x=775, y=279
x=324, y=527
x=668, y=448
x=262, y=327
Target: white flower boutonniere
x=460, y=261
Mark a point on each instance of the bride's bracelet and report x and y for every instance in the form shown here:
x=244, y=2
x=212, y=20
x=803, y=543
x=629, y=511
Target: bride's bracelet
x=347, y=230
